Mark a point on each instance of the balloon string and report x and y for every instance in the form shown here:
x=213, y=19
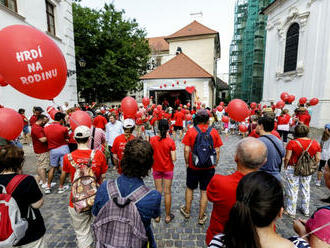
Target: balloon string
x=317, y=229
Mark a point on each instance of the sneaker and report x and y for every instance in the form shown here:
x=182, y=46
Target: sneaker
x=318, y=183
x=47, y=190
x=202, y=220
x=45, y=185
x=184, y=213
x=293, y=216
x=63, y=189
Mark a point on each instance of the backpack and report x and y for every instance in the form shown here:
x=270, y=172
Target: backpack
x=12, y=225
x=306, y=164
x=84, y=186
x=204, y=154
x=118, y=224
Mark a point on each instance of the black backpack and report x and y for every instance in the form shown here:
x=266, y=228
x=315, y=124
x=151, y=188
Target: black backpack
x=204, y=154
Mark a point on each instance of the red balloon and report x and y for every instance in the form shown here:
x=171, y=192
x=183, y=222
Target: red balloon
x=198, y=103
x=188, y=117
x=153, y=106
x=160, y=86
x=51, y=111
x=225, y=119
x=138, y=115
x=314, y=101
x=259, y=106
x=31, y=62
x=243, y=128
x=184, y=81
x=219, y=108
x=145, y=101
x=265, y=106
x=165, y=85
x=280, y=104
x=80, y=118
x=177, y=82
x=11, y=124
x=302, y=100
x=238, y=110
x=253, y=105
x=291, y=99
x=172, y=85
x=129, y=107
x=285, y=96
x=222, y=104
x=226, y=109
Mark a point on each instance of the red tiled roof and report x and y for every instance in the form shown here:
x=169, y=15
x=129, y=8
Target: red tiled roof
x=158, y=44
x=192, y=29
x=181, y=66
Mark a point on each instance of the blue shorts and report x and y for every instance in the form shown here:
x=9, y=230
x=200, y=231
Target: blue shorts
x=150, y=133
x=26, y=129
x=56, y=155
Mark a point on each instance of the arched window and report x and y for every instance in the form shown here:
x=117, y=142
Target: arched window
x=291, y=48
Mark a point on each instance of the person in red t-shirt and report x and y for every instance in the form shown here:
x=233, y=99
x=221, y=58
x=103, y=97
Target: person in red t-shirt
x=100, y=121
x=250, y=155
x=26, y=131
x=293, y=151
x=120, y=142
x=57, y=138
x=201, y=176
x=36, y=112
x=40, y=148
x=178, y=126
x=283, y=124
x=253, y=134
x=81, y=222
x=162, y=169
x=303, y=116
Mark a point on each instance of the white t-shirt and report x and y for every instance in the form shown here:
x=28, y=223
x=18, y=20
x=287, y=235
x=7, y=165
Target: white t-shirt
x=325, y=154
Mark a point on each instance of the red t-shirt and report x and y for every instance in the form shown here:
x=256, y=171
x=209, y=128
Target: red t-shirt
x=222, y=192
x=100, y=122
x=37, y=132
x=189, y=140
x=305, y=118
x=99, y=164
x=33, y=120
x=162, y=153
x=283, y=120
x=56, y=135
x=296, y=149
x=255, y=135
x=118, y=147
x=179, y=117
x=24, y=120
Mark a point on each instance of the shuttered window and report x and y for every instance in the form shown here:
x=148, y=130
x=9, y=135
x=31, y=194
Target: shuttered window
x=291, y=48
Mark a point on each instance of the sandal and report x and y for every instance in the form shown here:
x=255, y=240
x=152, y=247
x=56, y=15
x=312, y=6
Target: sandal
x=184, y=213
x=202, y=220
x=157, y=220
x=288, y=214
x=169, y=220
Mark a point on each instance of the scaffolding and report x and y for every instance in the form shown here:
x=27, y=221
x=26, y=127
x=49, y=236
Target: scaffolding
x=247, y=49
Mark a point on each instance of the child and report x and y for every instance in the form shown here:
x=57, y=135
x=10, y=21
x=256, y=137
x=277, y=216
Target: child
x=325, y=154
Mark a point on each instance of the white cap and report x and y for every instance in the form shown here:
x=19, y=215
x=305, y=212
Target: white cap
x=129, y=123
x=82, y=132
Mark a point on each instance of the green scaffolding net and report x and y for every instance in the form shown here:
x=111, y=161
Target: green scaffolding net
x=247, y=49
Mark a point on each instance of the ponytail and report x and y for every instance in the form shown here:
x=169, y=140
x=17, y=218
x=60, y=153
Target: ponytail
x=240, y=231
x=163, y=127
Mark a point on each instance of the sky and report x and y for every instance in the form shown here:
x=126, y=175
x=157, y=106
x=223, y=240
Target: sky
x=161, y=18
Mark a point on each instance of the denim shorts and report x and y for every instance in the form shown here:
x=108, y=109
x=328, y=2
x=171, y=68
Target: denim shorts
x=56, y=155
x=26, y=129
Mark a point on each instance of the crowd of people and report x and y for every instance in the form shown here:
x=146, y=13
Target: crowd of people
x=118, y=213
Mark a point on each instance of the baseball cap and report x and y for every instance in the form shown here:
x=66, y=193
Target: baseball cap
x=82, y=132
x=320, y=218
x=327, y=126
x=129, y=123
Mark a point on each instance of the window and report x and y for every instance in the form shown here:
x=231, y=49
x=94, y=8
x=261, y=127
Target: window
x=291, y=48
x=50, y=18
x=10, y=4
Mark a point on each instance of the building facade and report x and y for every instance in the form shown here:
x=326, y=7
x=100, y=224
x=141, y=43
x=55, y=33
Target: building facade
x=246, y=63
x=186, y=58
x=297, y=56
x=53, y=17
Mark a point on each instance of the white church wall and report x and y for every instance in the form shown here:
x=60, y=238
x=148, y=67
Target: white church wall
x=311, y=79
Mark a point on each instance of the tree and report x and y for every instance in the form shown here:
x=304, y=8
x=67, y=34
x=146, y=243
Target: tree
x=115, y=50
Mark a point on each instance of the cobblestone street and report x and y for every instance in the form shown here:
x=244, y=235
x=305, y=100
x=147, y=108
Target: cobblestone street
x=180, y=232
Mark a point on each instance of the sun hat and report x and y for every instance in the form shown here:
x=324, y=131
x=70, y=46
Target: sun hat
x=320, y=218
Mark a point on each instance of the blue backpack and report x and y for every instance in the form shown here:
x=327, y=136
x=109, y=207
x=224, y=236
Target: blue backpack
x=203, y=155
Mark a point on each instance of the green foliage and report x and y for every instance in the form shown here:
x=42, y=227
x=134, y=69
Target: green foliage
x=115, y=50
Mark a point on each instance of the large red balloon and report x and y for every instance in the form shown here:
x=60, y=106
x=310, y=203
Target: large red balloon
x=280, y=104
x=243, y=128
x=2, y=81
x=291, y=99
x=302, y=100
x=145, y=101
x=79, y=118
x=11, y=124
x=31, y=62
x=253, y=105
x=285, y=96
x=238, y=110
x=225, y=119
x=129, y=107
x=314, y=101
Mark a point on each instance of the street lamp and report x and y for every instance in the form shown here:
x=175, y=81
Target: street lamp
x=82, y=63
